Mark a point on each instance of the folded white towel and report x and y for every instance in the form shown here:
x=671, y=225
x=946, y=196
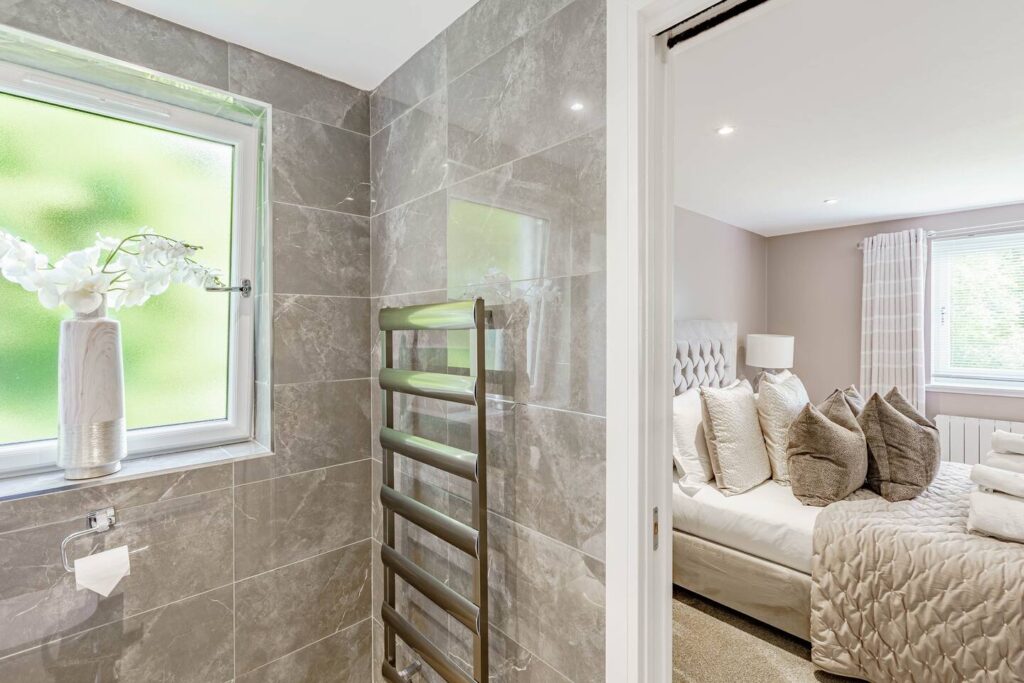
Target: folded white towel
x=997, y=515
x=1007, y=442
x=1004, y=461
x=1004, y=481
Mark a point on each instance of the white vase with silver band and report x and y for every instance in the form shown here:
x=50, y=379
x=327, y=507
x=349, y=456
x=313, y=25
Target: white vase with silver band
x=92, y=436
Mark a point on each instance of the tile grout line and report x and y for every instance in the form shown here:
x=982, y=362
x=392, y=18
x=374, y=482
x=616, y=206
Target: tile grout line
x=282, y=110
x=322, y=381
x=67, y=636
x=317, y=208
x=303, y=559
x=304, y=472
x=540, y=23
x=447, y=186
x=130, y=507
x=318, y=640
x=321, y=296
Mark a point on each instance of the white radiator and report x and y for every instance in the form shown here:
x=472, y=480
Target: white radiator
x=967, y=439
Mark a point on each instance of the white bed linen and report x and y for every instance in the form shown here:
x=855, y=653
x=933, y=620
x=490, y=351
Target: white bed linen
x=767, y=521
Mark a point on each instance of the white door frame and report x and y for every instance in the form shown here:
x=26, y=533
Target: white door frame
x=638, y=578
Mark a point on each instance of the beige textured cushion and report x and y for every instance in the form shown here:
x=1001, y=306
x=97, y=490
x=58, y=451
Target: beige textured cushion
x=853, y=399
x=735, y=443
x=903, y=447
x=690, y=447
x=778, y=404
x=828, y=456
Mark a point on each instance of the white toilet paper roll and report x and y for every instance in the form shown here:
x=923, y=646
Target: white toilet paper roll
x=101, y=572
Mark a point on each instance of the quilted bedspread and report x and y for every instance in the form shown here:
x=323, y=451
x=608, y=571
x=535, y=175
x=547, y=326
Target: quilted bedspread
x=902, y=592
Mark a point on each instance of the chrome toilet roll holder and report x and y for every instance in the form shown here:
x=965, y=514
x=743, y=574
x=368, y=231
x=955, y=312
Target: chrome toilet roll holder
x=96, y=522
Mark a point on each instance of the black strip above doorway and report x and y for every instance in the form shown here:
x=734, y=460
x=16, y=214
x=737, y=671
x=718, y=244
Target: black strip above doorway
x=707, y=19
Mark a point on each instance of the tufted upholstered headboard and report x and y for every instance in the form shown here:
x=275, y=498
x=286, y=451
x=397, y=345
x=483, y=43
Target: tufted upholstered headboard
x=705, y=354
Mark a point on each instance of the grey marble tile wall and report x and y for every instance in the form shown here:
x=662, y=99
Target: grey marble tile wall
x=257, y=571
x=488, y=167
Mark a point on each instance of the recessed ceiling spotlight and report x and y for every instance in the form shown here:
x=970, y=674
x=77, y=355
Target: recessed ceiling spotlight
x=726, y=130
x=576, y=106
x=831, y=200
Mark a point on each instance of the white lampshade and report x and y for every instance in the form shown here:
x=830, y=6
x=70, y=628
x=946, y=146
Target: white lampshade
x=770, y=350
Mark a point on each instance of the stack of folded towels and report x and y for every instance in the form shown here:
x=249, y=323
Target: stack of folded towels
x=997, y=502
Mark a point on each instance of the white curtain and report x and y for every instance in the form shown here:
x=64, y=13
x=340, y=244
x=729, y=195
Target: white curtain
x=892, y=315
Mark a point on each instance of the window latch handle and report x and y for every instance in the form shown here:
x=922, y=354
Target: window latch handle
x=245, y=288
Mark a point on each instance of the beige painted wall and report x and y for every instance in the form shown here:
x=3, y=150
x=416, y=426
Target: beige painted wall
x=720, y=275
x=814, y=290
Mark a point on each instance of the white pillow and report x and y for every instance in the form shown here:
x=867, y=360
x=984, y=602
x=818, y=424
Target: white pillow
x=778, y=404
x=735, y=444
x=689, y=445
x=776, y=378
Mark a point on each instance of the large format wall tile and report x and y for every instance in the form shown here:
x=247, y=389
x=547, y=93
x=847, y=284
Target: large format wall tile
x=340, y=658
x=542, y=216
x=289, y=608
x=548, y=346
x=408, y=156
x=518, y=101
x=510, y=662
x=317, y=424
x=548, y=473
x=422, y=75
x=548, y=598
x=119, y=31
x=409, y=247
x=283, y=520
x=490, y=25
x=320, y=166
x=179, y=547
x=187, y=642
x=297, y=91
x=320, y=252
x=67, y=505
x=320, y=338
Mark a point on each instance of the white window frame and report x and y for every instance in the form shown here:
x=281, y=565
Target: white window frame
x=941, y=371
x=21, y=458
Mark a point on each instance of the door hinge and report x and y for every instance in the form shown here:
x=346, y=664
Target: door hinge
x=656, y=529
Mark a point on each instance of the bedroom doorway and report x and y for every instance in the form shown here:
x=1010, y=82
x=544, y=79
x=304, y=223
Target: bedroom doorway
x=821, y=209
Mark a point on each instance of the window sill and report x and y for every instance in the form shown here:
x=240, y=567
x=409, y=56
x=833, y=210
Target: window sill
x=136, y=468
x=1009, y=389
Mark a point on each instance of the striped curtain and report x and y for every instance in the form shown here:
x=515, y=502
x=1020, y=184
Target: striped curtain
x=892, y=315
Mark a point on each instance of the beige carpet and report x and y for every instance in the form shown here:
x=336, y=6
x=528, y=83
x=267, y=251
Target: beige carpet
x=714, y=644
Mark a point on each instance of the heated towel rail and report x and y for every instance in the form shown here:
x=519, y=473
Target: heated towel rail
x=472, y=466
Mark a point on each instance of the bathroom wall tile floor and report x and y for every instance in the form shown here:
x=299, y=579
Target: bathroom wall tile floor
x=714, y=644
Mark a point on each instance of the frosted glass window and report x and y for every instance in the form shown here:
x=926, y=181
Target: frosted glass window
x=978, y=307
x=66, y=174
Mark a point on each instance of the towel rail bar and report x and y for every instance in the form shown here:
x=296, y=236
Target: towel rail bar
x=455, y=388
x=440, y=594
x=441, y=525
x=448, y=458
x=456, y=315
x=437, y=660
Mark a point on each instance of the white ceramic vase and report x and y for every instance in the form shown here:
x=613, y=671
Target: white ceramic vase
x=91, y=437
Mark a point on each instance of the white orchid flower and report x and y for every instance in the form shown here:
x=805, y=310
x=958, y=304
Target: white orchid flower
x=134, y=269
x=86, y=295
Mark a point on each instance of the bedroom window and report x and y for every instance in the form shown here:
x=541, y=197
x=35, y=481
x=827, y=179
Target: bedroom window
x=78, y=159
x=978, y=310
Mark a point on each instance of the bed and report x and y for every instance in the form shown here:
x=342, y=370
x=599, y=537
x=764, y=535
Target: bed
x=882, y=591
x=750, y=552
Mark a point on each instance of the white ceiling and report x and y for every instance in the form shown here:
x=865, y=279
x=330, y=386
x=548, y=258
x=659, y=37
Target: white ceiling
x=895, y=108
x=359, y=42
